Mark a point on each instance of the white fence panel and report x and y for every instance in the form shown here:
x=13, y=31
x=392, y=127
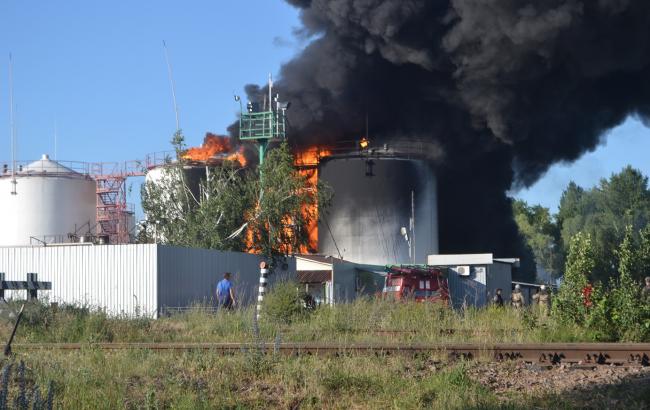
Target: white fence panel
x=118, y=278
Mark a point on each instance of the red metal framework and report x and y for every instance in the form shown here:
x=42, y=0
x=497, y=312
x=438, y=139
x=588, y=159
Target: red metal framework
x=113, y=212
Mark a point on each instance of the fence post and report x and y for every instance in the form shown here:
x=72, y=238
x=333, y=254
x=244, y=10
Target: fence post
x=32, y=292
x=2, y=288
x=264, y=271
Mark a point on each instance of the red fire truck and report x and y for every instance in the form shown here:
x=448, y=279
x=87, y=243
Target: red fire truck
x=419, y=283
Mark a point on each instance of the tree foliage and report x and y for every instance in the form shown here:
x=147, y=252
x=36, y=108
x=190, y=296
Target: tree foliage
x=617, y=311
x=604, y=212
x=569, y=303
x=280, y=221
x=201, y=213
x=541, y=233
x=627, y=306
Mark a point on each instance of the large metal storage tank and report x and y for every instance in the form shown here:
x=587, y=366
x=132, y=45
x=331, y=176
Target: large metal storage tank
x=51, y=201
x=363, y=224
x=193, y=175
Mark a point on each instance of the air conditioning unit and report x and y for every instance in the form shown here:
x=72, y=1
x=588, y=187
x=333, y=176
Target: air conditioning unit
x=462, y=270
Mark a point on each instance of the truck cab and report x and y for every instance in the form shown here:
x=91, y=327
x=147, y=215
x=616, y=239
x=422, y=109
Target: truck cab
x=422, y=284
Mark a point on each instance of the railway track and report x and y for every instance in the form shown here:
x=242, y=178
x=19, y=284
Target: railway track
x=540, y=353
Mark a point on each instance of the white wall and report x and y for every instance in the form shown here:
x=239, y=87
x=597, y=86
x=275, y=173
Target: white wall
x=307, y=264
x=132, y=279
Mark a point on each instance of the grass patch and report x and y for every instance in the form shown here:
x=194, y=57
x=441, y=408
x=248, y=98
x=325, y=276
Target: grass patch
x=92, y=378
x=365, y=320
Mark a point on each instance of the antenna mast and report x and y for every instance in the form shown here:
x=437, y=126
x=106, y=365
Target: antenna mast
x=55, y=141
x=270, y=91
x=13, y=128
x=171, y=81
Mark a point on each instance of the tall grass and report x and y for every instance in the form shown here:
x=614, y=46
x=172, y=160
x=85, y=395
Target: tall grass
x=140, y=379
x=365, y=320
x=92, y=378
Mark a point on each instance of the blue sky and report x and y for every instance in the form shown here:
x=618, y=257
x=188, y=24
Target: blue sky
x=97, y=70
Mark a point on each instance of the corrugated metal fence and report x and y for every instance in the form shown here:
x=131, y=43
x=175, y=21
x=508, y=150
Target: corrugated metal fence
x=134, y=279
x=187, y=276
x=119, y=278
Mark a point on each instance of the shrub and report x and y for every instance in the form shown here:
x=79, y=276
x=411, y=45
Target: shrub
x=284, y=303
x=569, y=306
x=618, y=311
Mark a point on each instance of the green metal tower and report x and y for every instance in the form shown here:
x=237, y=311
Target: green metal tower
x=263, y=125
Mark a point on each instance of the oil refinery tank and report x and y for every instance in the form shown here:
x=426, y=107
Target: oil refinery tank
x=50, y=202
x=374, y=198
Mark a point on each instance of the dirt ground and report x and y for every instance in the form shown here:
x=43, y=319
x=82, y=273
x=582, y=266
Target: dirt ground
x=574, y=385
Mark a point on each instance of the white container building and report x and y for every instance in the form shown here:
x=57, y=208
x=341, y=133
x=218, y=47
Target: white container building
x=474, y=278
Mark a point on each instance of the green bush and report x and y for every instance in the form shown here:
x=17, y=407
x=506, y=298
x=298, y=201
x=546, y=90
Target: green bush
x=618, y=311
x=568, y=306
x=284, y=303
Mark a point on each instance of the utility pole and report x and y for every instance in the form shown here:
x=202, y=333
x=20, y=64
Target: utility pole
x=412, y=223
x=12, y=126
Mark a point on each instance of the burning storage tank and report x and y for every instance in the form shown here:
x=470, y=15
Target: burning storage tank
x=49, y=202
x=197, y=164
x=384, y=207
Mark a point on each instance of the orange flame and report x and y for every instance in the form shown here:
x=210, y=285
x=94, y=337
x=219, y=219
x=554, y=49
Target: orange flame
x=307, y=162
x=215, y=147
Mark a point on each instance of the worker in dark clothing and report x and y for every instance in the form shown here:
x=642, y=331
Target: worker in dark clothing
x=497, y=300
x=225, y=292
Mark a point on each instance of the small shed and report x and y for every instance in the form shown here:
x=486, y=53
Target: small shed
x=474, y=278
x=331, y=280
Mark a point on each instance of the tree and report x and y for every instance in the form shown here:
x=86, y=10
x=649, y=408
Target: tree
x=604, y=212
x=620, y=313
x=268, y=210
x=643, y=253
x=203, y=214
x=627, y=307
x=569, y=304
x=287, y=208
x=537, y=226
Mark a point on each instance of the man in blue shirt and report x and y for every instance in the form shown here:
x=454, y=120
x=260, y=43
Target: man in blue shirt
x=225, y=292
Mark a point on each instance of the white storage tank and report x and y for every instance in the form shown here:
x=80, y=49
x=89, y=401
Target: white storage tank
x=372, y=202
x=51, y=202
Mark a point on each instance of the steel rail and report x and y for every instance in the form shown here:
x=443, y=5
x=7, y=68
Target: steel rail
x=541, y=353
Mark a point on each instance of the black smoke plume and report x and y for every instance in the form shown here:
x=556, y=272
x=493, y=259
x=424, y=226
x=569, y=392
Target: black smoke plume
x=504, y=88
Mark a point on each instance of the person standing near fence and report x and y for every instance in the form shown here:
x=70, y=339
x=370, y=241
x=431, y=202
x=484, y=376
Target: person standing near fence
x=497, y=300
x=517, y=298
x=544, y=300
x=225, y=292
